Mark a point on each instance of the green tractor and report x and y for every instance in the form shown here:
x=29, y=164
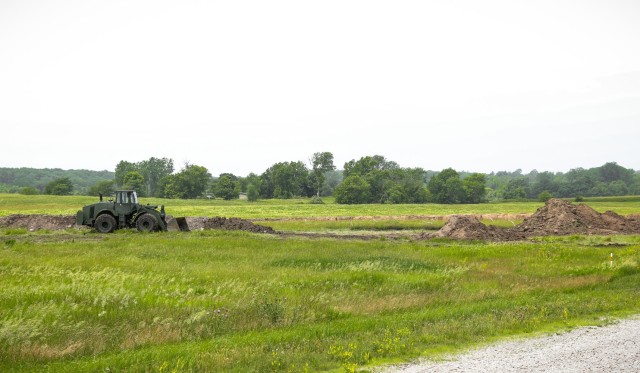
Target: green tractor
x=123, y=212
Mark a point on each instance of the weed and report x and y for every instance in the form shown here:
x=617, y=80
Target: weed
x=272, y=308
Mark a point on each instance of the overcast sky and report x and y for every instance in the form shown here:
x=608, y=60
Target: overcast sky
x=237, y=86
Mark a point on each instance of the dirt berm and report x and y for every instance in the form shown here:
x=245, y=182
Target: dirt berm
x=557, y=217
x=51, y=222
x=218, y=222
x=36, y=222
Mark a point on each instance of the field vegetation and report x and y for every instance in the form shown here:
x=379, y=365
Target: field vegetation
x=76, y=300
x=295, y=208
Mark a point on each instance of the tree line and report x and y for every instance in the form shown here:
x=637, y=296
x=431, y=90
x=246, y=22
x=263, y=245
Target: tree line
x=370, y=179
x=35, y=180
x=609, y=179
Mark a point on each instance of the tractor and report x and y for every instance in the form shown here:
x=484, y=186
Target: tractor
x=124, y=212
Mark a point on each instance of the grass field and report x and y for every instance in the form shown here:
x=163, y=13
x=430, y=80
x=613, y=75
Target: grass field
x=235, y=301
x=294, y=208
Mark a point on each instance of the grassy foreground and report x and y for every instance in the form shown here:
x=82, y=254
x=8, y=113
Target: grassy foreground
x=233, y=301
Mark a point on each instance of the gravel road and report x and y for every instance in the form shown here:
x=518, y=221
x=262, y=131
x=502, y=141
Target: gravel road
x=611, y=348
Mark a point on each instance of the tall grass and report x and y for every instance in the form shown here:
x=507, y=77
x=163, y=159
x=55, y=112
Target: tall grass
x=233, y=301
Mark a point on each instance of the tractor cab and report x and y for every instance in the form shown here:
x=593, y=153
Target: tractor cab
x=126, y=196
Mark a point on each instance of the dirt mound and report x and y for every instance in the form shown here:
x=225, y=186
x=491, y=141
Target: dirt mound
x=556, y=217
x=559, y=217
x=465, y=227
x=36, y=222
x=219, y=222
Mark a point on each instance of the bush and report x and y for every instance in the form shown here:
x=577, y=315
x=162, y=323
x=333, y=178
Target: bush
x=353, y=190
x=29, y=191
x=544, y=196
x=315, y=200
x=252, y=193
x=59, y=187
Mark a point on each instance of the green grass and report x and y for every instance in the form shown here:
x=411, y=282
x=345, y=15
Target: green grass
x=295, y=208
x=233, y=301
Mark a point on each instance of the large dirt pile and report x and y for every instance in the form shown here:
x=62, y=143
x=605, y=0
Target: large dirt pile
x=559, y=217
x=556, y=217
x=218, y=222
x=35, y=222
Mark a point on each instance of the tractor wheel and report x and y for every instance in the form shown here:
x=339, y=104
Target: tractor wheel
x=105, y=223
x=147, y=223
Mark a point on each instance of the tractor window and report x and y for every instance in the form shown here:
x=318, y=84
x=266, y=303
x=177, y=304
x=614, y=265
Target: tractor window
x=133, y=197
x=120, y=198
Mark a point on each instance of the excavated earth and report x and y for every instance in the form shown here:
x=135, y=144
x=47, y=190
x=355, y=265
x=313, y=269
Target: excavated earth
x=229, y=224
x=556, y=217
x=36, y=222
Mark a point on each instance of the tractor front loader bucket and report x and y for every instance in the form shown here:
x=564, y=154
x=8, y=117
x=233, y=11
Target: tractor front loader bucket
x=177, y=224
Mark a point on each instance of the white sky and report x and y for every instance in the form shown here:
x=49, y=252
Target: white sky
x=237, y=86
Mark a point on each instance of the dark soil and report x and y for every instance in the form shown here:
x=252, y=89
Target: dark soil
x=36, y=222
x=235, y=224
x=229, y=224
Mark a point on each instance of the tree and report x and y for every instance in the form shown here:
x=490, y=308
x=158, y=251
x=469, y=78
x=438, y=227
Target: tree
x=252, y=178
x=321, y=163
x=122, y=168
x=635, y=185
x=397, y=194
x=580, y=181
x=446, y=187
x=388, y=182
x=285, y=180
x=354, y=189
x=544, y=181
x=618, y=188
x=191, y=182
x=516, y=189
x=226, y=187
x=612, y=172
x=134, y=180
x=366, y=165
x=412, y=181
x=153, y=170
x=332, y=180
x=252, y=193
x=105, y=187
x=59, y=187
x=474, y=188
